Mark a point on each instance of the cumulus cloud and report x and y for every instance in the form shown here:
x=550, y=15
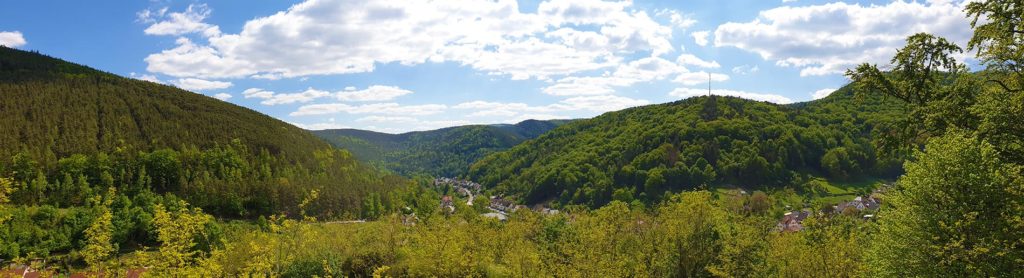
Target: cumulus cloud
x=418, y=124
x=146, y=77
x=691, y=60
x=372, y=93
x=700, y=37
x=196, y=84
x=745, y=69
x=179, y=23
x=520, y=111
x=272, y=98
x=642, y=70
x=822, y=93
x=336, y=37
x=374, y=108
x=691, y=92
x=677, y=19
x=320, y=126
x=12, y=39
x=829, y=38
x=222, y=96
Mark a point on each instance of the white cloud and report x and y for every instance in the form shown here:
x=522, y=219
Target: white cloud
x=642, y=70
x=828, y=39
x=337, y=37
x=745, y=69
x=691, y=60
x=603, y=103
x=387, y=119
x=822, y=93
x=521, y=111
x=12, y=39
x=677, y=19
x=372, y=93
x=222, y=96
x=374, y=108
x=416, y=124
x=691, y=92
x=320, y=126
x=146, y=77
x=271, y=98
x=176, y=24
x=195, y=84
x=701, y=77
x=700, y=37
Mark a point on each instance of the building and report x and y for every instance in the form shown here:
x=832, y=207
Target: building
x=792, y=221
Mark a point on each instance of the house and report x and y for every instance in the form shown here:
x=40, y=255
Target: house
x=448, y=204
x=19, y=271
x=792, y=221
x=463, y=192
x=501, y=204
x=869, y=203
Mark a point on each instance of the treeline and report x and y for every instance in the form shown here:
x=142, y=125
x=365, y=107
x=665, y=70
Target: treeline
x=446, y=152
x=51, y=109
x=693, y=234
x=50, y=206
x=641, y=153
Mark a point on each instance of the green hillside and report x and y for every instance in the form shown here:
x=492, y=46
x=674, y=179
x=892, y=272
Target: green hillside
x=51, y=108
x=442, y=152
x=642, y=152
x=78, y=146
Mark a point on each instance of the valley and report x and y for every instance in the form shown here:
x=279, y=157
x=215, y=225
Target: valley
x=910, y=168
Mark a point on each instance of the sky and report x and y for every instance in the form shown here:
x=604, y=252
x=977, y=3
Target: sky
x=397, y=66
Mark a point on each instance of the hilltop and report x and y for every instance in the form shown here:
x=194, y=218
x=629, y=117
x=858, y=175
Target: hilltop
x=640, y=153
x=51, y=108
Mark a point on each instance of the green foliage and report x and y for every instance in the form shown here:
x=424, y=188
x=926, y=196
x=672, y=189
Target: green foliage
x=957, y=213
x=99, y=237
x=53, y=109
x=694, y=142
x=998, y=38
x=446, y=152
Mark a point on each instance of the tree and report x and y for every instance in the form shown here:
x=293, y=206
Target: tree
x=99, y=246
x=957, y=212
x=177, y=231
x=6, y=188
x=759, y=202
x=999, y=39
x=924, y=75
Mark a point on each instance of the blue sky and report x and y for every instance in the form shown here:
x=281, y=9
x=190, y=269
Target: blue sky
x=397, y=66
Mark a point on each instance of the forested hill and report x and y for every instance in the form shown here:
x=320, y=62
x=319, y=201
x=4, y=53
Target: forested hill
x=442, y=152
x=642, y=152
x=52, y=108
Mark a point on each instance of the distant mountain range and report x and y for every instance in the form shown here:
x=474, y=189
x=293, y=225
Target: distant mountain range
x=443, y=152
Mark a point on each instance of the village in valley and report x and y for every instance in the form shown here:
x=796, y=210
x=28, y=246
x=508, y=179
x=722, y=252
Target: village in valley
x=791, y=221
x=499, y=206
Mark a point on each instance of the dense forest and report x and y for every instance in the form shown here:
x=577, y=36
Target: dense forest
x=643, y=152
x=446, y=152
x=644, y=192
x=80, y=145
x=53, y=109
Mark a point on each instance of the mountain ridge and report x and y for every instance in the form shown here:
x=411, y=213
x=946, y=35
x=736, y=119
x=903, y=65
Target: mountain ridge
x=52, y=108
x=441, y=152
